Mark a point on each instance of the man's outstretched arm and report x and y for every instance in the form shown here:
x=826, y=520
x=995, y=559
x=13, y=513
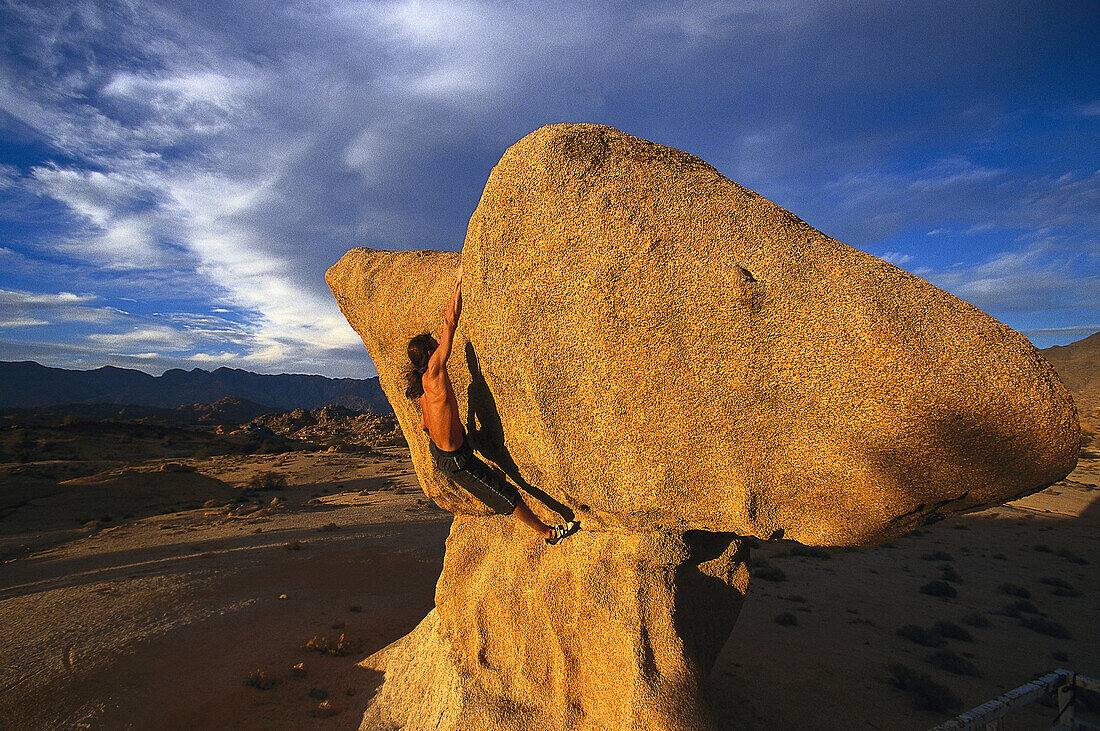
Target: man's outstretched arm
x=450, y=324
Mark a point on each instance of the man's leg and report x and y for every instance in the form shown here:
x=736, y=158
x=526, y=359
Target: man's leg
x=525, y=516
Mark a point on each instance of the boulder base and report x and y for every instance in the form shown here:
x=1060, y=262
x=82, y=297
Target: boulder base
x=603, y=631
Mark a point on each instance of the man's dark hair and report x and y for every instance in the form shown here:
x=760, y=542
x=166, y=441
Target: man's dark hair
x=420, y=350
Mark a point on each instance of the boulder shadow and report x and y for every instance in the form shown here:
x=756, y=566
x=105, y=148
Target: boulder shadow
x=486, y=432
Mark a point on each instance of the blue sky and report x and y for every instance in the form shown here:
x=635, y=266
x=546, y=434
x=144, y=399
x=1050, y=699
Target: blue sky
x=175, y=177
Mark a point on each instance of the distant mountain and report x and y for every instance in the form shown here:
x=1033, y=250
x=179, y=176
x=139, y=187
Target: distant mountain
x=1078, y=364
x=28, y=384
x=229, y=410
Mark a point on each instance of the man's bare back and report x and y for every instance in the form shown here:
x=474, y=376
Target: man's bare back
x=439, y=417
x=438, y=405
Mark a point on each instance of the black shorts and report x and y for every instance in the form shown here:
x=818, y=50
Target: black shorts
x=469, y=472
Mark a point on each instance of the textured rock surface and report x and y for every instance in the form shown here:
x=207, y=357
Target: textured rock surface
x=672, y=351
x=676, y=359
x=604, y=631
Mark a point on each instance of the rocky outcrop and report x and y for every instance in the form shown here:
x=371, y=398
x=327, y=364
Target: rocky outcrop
x=604, y=631
x=664, y=352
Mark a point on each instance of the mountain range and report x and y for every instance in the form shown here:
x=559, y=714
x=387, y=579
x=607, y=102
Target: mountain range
x=28, y=384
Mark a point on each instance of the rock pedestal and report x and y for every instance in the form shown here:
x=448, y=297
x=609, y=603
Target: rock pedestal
x=604, y=631
x=669, y=356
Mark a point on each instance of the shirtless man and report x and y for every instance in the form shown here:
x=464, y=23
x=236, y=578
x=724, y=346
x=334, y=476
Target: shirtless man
x=431, y=384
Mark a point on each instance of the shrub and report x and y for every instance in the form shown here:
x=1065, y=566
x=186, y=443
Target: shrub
x=948, y=573
x=976, y=620
x=952, y=663
x=808, y=551
x=952, y=631
x=922, y=636
x=260, y=680
x=1071, y=556
x=1045, y=627
x=770, y=573
x=927, y=694
x=1014, y=590
x=324, y=646
x=267, y=481
x=939, y=588
x=786, y=619
x=1061, y=586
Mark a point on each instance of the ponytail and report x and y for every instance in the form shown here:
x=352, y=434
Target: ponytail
x=416, y=387
x=420, y=350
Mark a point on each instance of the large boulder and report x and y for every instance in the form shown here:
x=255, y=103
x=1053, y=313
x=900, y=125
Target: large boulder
x=677, y=361
x=658, y=348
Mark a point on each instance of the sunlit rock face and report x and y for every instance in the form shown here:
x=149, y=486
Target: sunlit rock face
x=668, y=354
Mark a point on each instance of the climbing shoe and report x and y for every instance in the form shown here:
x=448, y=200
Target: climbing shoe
x=563, y=531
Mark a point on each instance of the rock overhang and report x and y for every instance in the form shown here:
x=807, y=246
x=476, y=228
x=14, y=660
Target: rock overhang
x=658, y=348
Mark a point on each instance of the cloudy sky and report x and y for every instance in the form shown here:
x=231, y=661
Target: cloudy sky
x=175, y=177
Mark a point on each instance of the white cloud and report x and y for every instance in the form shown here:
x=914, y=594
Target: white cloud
x=721, y=19
x=19, y=308
x=1037, y=278
x=228, y=156
x=1089, y=110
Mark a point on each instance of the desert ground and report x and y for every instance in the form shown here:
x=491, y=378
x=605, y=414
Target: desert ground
x=194, y=592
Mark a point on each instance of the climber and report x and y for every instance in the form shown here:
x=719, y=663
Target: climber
x=430, y=385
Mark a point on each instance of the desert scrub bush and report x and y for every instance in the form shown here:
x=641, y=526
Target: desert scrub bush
x=770, y=573
x=1070, y=556
x=1045, y=627
x=940, y=589
x=922, y=636
x=1014, y=590
x=926, y=693
x=1086, y=442
x=786, y=619
x=1021, y=606
x=267, y=481
x=948, y=573
x=952, y=631
x=323, y=645
x=952, y=663
x=1061, y=586
x=804, y=552
x=976, y=620
x=260, y=680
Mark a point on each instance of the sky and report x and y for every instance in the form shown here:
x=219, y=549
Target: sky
x=176, y=177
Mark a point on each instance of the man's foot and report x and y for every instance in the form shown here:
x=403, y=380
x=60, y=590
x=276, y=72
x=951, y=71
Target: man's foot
x=558, y=532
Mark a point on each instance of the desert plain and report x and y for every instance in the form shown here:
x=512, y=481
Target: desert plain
x=183, y=584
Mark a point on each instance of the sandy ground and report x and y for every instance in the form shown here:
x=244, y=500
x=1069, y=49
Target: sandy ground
x=156, y=622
